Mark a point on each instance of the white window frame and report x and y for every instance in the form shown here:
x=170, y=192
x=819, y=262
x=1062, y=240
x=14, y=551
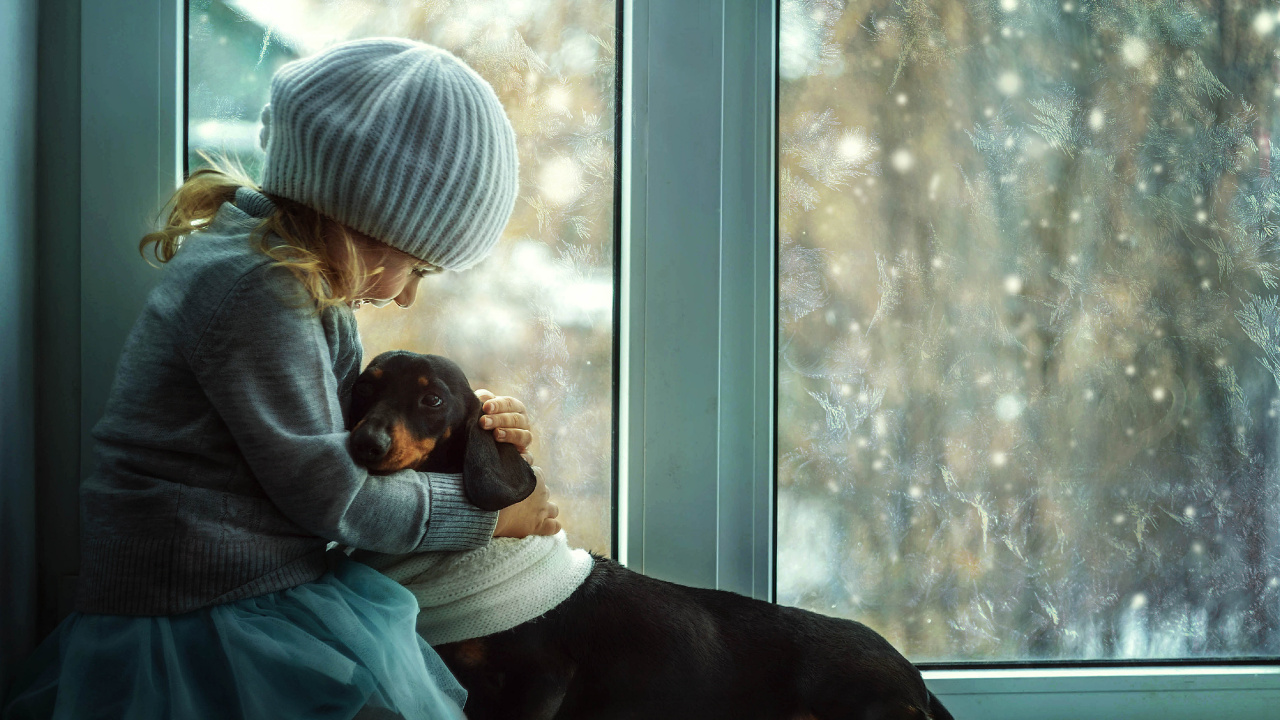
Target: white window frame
x=697, y=333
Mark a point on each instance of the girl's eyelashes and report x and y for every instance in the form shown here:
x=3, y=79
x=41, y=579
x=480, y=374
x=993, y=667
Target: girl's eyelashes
x=425, y=270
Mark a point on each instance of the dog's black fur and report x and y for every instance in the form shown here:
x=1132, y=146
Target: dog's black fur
x=624, y=645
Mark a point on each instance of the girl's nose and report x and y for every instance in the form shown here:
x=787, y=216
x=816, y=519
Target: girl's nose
x=409, y=293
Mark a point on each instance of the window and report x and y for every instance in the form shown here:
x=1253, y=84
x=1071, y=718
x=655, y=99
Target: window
x=696, y=331
x=535, y=320
x=1028, y=363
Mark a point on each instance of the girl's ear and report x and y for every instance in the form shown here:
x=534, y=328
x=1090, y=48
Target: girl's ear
x=493, y=473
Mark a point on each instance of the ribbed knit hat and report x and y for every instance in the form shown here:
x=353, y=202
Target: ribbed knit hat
x=398, y=140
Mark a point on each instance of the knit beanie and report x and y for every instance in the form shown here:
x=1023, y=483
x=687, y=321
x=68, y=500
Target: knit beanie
x=398, y=140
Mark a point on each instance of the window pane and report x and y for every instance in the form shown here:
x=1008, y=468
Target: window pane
x=1030, y=325
x=535, y=320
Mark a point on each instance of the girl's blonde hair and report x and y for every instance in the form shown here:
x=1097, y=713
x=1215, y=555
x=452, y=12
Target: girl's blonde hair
x=307, y=251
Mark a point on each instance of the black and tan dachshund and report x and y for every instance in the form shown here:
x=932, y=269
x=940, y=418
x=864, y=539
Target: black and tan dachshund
x=623, y=645
x=418, y=411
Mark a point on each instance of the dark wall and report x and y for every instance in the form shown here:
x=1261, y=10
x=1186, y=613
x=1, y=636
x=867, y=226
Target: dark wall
x=40, y=325
x=57, y=332
x=17, y=331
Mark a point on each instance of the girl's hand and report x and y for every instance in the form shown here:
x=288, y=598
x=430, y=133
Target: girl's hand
x=506, y=417
x=535, y=515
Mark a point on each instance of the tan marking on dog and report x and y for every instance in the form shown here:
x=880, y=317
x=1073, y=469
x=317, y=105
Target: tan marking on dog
x=406, y=451
x=423, y=381
x=376, y=372
x=470, y=653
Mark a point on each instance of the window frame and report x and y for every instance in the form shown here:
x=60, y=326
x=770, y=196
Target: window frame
x=696, y=333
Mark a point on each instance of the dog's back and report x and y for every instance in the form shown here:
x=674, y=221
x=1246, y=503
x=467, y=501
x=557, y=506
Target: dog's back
x=628, y=646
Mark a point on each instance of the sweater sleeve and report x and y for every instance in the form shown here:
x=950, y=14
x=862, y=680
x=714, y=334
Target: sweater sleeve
x=265, y=366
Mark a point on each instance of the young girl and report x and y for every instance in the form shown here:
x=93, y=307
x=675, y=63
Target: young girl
x=205, y=588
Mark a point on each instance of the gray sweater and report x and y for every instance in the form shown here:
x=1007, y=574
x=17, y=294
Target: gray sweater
x=223, y=469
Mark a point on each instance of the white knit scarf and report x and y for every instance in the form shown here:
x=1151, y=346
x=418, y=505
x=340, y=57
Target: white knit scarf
x=471, y=594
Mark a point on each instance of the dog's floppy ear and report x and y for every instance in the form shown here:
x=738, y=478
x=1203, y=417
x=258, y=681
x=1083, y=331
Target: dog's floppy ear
x=493, y=473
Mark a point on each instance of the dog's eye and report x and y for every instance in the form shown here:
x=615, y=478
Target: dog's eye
x=431, y=401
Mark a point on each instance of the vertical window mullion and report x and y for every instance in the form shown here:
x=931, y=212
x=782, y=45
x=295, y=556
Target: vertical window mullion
x=747, y=301
x=696, y=396
x=671, y=325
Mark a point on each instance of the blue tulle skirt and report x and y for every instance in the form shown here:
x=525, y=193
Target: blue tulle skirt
x=338, y=648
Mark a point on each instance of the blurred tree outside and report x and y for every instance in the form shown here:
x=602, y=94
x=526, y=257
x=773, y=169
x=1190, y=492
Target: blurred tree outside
x=1030, y=325
x=535, y=319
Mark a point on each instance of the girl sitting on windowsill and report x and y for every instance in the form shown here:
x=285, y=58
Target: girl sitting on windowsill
x=223, y=473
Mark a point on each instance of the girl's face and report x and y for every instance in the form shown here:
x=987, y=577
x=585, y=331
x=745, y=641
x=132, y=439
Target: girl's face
x=394, y=275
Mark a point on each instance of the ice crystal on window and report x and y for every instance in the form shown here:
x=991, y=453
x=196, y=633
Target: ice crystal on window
x=1057, y=121
x=801, y=288
x=917, y=31
x=804, y=36
x=1260, y=318
x=795, y=193
x=832, y=155
x=1240, y=419
x=890, y=291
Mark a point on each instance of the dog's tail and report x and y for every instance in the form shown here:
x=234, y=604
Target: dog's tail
x=936, y=711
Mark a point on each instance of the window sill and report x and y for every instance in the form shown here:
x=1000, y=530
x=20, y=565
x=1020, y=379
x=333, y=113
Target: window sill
x=1164, y=693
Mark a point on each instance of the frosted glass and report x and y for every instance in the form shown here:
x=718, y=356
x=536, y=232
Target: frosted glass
x=1029, y=340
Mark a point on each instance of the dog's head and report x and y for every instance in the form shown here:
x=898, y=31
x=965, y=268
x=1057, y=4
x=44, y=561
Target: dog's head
x=418, y=411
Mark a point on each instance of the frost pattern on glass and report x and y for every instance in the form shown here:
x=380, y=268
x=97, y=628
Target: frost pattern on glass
x=535, y=320
x=1029, y=316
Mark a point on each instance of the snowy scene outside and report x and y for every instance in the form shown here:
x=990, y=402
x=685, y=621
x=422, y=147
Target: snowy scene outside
x=534, y=320
x=1029, y=341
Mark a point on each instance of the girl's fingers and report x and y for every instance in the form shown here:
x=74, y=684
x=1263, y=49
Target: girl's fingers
x=503, y=404
x=507, y=417
x=550, y=526
x=520, y=438
x=505, y=420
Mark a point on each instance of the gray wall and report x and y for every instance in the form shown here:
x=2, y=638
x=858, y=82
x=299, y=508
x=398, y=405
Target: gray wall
x=18, y=302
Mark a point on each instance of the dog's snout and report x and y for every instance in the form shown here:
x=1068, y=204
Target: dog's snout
x=370, y=443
